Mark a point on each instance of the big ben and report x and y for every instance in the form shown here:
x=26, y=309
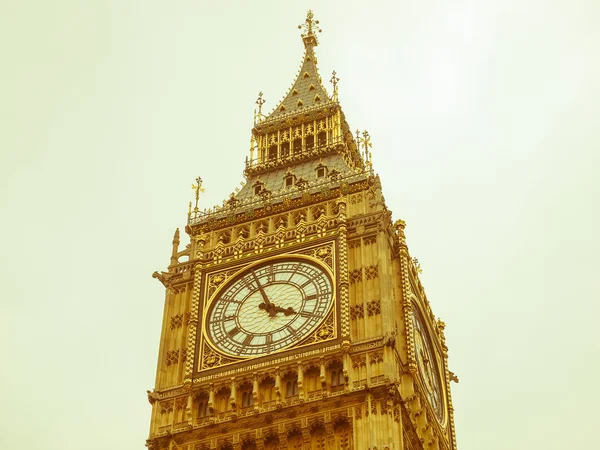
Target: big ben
x=295, y=318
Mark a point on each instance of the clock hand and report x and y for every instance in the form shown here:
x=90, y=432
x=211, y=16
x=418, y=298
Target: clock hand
x=268, y=308
x=287, y=311
x=262, y=293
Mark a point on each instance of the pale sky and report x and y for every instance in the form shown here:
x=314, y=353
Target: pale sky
x=484, y=117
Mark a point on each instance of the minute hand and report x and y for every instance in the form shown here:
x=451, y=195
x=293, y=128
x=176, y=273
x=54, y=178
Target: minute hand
x=262, y=292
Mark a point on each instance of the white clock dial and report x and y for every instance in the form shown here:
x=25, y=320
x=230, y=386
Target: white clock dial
x=428, y=367
x=269, y=307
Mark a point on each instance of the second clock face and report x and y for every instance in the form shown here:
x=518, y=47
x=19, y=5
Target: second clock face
x=269, y=307
x=428, y=367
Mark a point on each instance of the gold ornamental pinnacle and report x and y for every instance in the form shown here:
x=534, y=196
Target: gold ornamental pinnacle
x=198, y=188
x=260, y=101
x=309, y=36
x=334, y=80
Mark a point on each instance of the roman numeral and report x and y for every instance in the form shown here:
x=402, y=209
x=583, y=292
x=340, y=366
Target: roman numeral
x=233, y=331
x=311, y=297
x=269, y=342
x=248, y=339
x=306, y=284
x=224, y=319
x=294, y=272
x=308, y=315
x=292, y=331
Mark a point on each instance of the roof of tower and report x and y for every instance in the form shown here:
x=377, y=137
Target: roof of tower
x=307, y=90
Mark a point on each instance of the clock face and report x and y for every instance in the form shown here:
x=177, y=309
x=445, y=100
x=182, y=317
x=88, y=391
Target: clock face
x=269, y=307
x=428, y=367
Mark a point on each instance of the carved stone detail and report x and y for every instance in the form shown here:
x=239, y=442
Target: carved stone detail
x=326, y=330
x=212, y=359
x=323, y=253
x=193, y=322
x=343, y=269
x=355, y=276
x=371, y=272
x=172, y=357
x=176, y=321
x=373, y=307
x=357, y=311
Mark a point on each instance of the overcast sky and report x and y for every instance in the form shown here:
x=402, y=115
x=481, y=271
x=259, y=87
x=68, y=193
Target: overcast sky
x=484, y=118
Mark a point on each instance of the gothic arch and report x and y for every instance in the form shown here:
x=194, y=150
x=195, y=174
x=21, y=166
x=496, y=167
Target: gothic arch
x=294, y=439
x=335, y=375
x=342, y=433
x=317, y=423
x=272, y=441
x=266, y=391
x=222, y=399
x=245, y=394
x=201, y=404
x=312, y=379
x=333, y=361
x=311, y=366
x=249, y=444
x=243, y=383
x=289, y=384
x=318, y=435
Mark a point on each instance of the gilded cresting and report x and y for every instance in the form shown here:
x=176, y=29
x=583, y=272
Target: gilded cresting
x=361, y=362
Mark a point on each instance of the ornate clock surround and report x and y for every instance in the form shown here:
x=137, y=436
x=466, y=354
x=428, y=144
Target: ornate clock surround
x=436, y=366
x=208, y=359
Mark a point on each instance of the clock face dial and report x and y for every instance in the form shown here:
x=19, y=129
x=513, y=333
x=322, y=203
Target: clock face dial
x=428, y=367
x=269, y=307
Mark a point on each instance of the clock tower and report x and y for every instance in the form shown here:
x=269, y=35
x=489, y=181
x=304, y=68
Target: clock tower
x=295, y=318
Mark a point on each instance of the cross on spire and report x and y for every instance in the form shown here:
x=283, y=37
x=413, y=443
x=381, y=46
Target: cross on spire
x=365, y=141
x=198, y=188
x=259, y=101
x=334, y=80
x=308, y=36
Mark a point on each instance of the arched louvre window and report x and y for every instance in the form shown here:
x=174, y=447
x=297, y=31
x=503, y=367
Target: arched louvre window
x=334, y=378
x=203, y=409
x=247, y=399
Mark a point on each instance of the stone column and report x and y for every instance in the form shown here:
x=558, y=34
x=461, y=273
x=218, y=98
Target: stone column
x=278, y=394
x=343, y=269
x=211, y=399
x=347, y=364
x=300, y=382
x=255, y=393
x=232, y=396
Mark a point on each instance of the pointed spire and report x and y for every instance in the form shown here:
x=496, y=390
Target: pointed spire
x=307, y=91
x=175, y=251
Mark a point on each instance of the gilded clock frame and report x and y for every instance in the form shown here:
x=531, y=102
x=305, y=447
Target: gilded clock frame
x=417, y=311
x=328, y=262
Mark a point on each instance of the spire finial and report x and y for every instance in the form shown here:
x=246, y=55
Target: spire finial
x=366, y=142
x=334, y=80
x=260, y=101
x=309, y=36
x=198, y=187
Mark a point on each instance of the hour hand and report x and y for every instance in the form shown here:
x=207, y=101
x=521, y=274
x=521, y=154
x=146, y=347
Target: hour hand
x=268, y=308
x=287, y=311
